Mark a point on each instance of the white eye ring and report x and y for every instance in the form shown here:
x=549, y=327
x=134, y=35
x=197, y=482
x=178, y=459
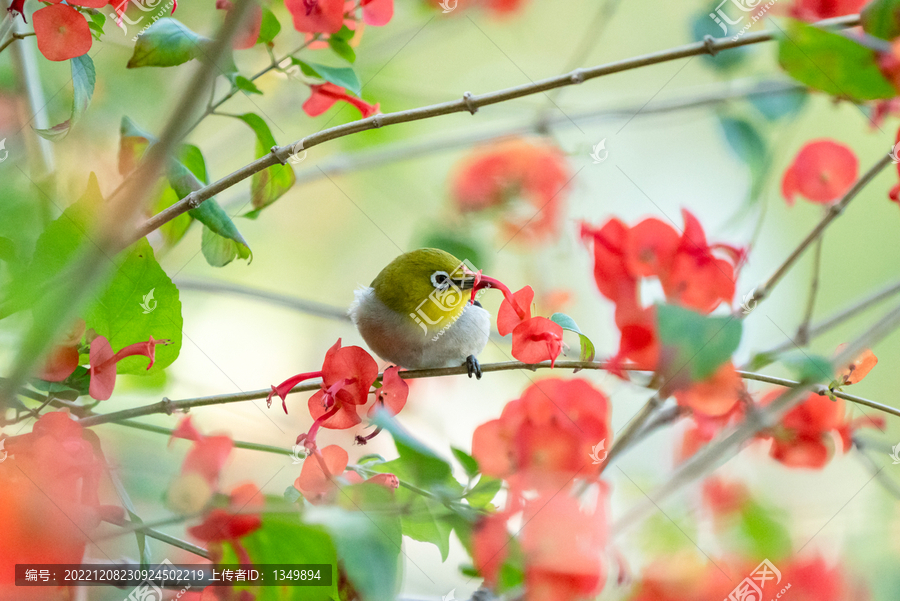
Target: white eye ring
x=437, y=282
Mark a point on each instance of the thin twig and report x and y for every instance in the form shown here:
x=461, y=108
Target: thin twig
x=761, y=292
x=14, y=37
x=634, y=427
x=174, y=541
x=467, y=103
x=841, y=316
x=803, y=330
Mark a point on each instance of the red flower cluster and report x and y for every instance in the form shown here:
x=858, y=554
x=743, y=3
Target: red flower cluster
x=329, y=16
x=822, y=172
x=691, y=271
x=199, y=481
x=540, y=444
x=535, y=172
x=49, y=501
x=684, y=577
x=805, y=437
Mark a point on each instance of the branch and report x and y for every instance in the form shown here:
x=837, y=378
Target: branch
x=761, y=292
x=299, y=304
x=803, y=330
x=468, y=103
x=634, y=427
x=723, y=447
x=367, y=159
x=14, y=37
x=840, y=317
x=169, y=406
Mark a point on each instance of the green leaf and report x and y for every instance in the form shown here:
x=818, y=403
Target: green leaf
x=484, y=492
x=457, y=243
x=284, y=538
x=761, y=535
x=269, y=28
x=140, y=301
x=425, y=520
x=338, y=42
x=881, y=18
x=291, y=494
x=423, y=466
x=339, y=76
x=221, y=242
x=166, y=43
x=242, y=83
x=832, y=63
x=693, y=345
x=83, y=79
x=96, y=22
x=567, y=323
x=271, y=183
x=466, y=461
x=779, y=105
x=368, y=545
x=749, y=146
x=807, y=368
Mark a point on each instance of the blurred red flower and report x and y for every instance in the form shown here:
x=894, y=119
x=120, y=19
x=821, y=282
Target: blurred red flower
x=822, y=172
x=62, y=32
x=229, y=525
x=816, y=10
x=316, y=16
x=103, y=363
x=807, y=434
x=317, y=487
x=49, y=499
x=494, y=176
x=547, y=436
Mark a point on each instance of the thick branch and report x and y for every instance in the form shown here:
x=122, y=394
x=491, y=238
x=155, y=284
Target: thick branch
x=468, y=103
x=169, y=406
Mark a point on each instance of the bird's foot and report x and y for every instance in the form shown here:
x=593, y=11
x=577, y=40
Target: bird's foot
x=473, y=367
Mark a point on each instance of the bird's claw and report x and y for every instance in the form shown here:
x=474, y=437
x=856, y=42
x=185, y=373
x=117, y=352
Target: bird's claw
x=473, y=367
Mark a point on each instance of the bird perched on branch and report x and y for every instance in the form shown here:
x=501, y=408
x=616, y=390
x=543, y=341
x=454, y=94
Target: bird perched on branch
x=421, y=312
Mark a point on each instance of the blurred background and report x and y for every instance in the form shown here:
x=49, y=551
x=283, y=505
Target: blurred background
x=681, y=134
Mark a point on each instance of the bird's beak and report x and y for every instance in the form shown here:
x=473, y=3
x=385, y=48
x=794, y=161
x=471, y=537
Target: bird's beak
x=464, y=281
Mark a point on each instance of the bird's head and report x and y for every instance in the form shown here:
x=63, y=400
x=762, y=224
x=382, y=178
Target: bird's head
x=428, y=283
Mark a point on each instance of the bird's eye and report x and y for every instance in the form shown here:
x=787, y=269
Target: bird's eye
x=440, y=279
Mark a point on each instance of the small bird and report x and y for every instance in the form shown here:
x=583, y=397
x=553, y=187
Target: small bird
x=417, y=315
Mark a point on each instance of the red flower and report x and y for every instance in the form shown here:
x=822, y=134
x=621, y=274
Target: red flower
x=199, y=478
x=103, y=363
x=715, y=395
x=63, y=358
x=316, y=16
x=816, y=10
x=537, y=339
x=806, y=435
x=514, y=310
x=822, y=172
x=325, y=95
x=49, y=501
x=547, y=436
x=490, y=546
x=493, y=177
x=319, y=487
x=561, y=543
x=724, y=497
x=377, y=12
x=62, y=32
x=17, y=6
x=693, y=274
x=393, y=392
x=231, y=524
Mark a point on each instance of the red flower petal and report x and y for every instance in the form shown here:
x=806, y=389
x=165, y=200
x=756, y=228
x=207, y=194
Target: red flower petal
x=822, y=172
x=346, y=416
x=207, y=457
x=60, y=364
x=312, y=482
x=89, y=3
x=859, y=368
x=714, y=396
x=325, y=95
x=377, y=12
x=62, y=32
x=650, y=247
x=103, y=369
x=351, y=363
x=393, y=392
x=317, y=16
x=249, y=32
x=537, y=339
x=508, y=315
